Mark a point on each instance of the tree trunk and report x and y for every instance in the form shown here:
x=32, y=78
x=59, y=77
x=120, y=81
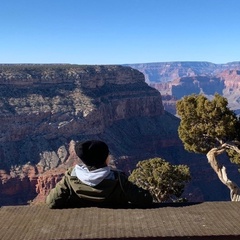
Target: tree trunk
x=221, y=171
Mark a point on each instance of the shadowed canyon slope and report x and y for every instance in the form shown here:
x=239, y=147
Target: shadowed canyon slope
x=177, y=79
x=44, y=109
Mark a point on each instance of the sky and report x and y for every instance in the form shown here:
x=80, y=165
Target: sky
x=119, y=31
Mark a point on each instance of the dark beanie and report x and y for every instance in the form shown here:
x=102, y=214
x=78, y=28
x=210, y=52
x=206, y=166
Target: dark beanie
x=93, y=153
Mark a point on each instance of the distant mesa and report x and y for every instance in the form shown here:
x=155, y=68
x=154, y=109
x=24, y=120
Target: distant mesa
x=177, y=79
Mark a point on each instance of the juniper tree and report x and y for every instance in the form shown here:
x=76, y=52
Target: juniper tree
x=210, y=127
x=163, y=180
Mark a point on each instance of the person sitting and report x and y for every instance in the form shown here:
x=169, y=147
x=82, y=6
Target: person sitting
x=95, y=183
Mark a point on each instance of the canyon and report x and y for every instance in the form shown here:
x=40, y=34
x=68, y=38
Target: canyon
x=45, y=109
x=175, y=80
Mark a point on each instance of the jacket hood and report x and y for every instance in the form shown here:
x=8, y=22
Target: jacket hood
x=91, y=178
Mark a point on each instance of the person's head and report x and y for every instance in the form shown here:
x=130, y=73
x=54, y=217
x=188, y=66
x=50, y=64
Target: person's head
x=93, y=153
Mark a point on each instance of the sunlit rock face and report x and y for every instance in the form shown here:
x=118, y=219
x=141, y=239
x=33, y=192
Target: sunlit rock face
x=58, y=101
x=177, y=79
x=45, y=108
x=161, y=72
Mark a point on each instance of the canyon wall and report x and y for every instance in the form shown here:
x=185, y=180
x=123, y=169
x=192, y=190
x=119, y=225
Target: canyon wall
x=161, y=72
x=45, y=109
x=177, y=79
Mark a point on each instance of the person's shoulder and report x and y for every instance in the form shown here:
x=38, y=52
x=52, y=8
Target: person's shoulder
x=119, y=173
x=117, y=170
x=68, y=172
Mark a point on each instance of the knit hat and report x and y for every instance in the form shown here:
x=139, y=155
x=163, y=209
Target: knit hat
x=93, y=153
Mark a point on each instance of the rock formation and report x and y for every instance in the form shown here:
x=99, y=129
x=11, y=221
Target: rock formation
x=44, y=109
x=177, y=79
x=231, y=91
x=167, y=71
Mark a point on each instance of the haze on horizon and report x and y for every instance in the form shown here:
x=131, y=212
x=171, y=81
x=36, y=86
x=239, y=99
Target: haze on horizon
x=119, y=31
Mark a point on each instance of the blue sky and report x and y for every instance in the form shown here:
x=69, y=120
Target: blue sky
x=119, y=31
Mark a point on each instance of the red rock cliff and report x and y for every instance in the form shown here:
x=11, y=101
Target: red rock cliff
x=44, y=108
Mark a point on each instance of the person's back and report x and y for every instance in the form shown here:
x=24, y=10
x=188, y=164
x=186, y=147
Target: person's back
x=95, y=183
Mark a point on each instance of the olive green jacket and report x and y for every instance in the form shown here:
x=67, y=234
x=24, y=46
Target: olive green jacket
x=71, y=192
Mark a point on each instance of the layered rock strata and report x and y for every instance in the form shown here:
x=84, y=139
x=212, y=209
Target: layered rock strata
x=161, y=72
x=177, y=79
x=45, y=109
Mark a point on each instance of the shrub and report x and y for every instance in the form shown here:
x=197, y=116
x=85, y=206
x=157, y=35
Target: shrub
x=166, y=182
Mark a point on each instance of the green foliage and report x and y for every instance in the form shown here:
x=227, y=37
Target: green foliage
x=233, y=156
x=206, y=124
x=163, y=180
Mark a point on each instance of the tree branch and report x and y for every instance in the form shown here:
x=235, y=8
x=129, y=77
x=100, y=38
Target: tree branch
x=221, y=170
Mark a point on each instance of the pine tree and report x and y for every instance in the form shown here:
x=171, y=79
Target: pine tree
x=210, y=127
